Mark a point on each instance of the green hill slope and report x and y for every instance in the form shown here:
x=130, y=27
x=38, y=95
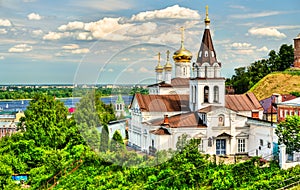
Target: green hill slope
x=279, y=82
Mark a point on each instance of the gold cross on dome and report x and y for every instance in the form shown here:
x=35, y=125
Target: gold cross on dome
x=158, y=57
x=168, y=53
x=182, y=33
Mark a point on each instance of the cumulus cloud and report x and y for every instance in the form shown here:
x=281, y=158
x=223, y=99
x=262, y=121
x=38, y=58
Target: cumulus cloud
x=143, y=29
x=37, y=32
x=240, y=45
x=55, y=35
x=240, y=48
x=20, y=48
x=266, y=32
x=102, y=29
x=170, y=12
x=75, y=25
x=70, y=46
x=3, y=31
x=144, y=70
x=80, y=51
x=34, y=16
x=5, y=22
x=263, y=49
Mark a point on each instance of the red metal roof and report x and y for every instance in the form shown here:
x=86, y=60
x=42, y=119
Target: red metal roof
x=190, y=119
x=242, y=102
x=163, y=103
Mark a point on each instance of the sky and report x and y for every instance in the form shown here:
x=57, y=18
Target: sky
x=117, y=41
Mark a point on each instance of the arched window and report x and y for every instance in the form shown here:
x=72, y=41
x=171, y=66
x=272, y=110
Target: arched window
x=206, y=94
x=212, y=54
x=206, y=54
x=216, y=94
x=195, y=94
x=221, y=119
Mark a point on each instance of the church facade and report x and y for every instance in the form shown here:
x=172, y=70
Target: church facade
x=194, y=103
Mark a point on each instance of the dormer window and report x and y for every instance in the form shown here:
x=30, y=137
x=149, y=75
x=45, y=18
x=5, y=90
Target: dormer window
x=212, y=54
x=206, y=54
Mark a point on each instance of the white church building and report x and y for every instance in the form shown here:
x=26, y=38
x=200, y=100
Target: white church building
x=194, y=103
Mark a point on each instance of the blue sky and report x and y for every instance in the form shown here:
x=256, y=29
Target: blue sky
x=116, y=41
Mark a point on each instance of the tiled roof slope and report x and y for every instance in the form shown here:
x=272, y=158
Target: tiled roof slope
x=190, y=119
x=163, y=103
x=242, y=102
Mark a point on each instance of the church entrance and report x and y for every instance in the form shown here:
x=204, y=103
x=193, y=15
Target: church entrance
x=220, y=146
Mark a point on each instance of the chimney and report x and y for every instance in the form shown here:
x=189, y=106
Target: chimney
x=166, y=120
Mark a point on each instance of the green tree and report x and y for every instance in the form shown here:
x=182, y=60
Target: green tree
x=288, y=133
x=117, y=142
x=46, y=121
x=104, y=138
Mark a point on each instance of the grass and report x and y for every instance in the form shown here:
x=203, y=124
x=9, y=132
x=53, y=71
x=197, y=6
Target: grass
x=277, y=82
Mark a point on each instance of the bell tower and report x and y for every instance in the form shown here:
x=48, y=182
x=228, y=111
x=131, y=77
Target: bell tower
x=207, y=87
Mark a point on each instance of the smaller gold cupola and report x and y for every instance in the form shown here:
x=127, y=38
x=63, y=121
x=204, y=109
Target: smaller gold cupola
x=182, y=55
x=168, y=66
x=159, y=68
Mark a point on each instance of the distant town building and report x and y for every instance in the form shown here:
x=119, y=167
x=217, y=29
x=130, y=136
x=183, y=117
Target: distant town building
x=270, y=105
x=288, y=108
x=7, y=128
x=11, y=116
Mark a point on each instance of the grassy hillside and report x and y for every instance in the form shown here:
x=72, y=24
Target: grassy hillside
x=278, y=82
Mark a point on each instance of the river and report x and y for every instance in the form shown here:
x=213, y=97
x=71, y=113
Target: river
x=21, y=105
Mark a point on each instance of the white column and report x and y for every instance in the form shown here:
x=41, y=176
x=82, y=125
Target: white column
x=282, y=155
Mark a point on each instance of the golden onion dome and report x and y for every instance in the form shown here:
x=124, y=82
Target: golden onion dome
x=182, y=55
x=159, y=68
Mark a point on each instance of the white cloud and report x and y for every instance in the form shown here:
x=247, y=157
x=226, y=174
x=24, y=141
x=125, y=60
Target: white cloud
x=263, y=49
x=20, y=48
x=34, y=16
x=37, y=32
x=5, y=22
x=143, y=29
x=256, y=15
x=144, y=70
x=1, y=57
x=55, y=35
x=80, y=51
x=240, y=45
x=106, y=28
x=170, y=12
x=125, y=59
x=240, y=48
x=110, y=70
x=266, y=32
x=70, y=46
x=3, y=31
x=75, y=25
x=84, y=36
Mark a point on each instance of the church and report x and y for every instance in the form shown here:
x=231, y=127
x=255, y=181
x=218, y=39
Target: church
x=194, y=103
